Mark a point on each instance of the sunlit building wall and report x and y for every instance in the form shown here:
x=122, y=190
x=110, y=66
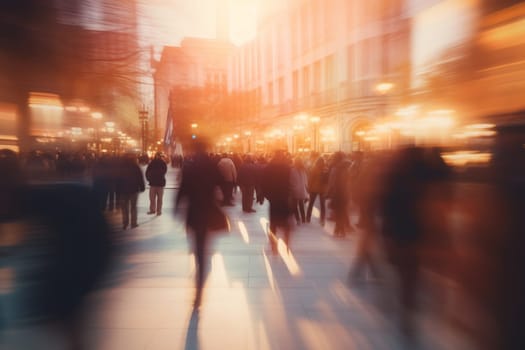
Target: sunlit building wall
x=196, y=63
x=501, y=39
x=321, y=59
x=477, y=57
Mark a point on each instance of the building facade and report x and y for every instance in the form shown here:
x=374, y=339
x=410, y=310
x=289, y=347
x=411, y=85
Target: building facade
x=197, y=69
x=319, y=71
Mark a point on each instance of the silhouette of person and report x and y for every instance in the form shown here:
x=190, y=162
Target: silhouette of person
x=406, y=184
x=339, y=193
x=317, y=186
x=228, y=171
x=64, y=223
x=130, y=183
x=156, y=176
x=504, y=253
x=200, y=177
x=247, y=180
x=299, y=193
x=276, y=188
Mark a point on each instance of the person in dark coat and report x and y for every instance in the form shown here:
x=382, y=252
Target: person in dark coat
x=276, y=188
x=247, y=180
x=69, y=246
x=339, y=193
x=102, y=181
x=260, y=165
x=200, y=178
x=156, y=176
x=130, y=183
x=317, y=186
x=406, y=181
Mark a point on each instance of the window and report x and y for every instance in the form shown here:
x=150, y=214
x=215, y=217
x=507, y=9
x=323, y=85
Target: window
x=295, y=85
x=281, y=90
x=306, y=82
x=317, y=76
x=270, y=94
x=351, y=62
x=329, y=72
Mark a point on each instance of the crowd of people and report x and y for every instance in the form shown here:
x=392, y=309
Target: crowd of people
x=408, y=203
x=403, y=199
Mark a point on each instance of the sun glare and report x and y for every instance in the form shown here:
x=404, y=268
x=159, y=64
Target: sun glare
x=168, y=22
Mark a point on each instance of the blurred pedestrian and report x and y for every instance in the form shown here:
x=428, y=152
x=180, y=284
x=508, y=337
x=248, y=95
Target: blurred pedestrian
x=62, y=223
x=260, y=164
x=200, y=179
x=503, y=253
x=403, y=230
x=130, y=183
x=276, y=188
x=339, y=193
x=228, y=172
x=317, y=186
x=247, y=179
x=299, y=193
x=367, y=190
x=156, y=176
x=102, y=179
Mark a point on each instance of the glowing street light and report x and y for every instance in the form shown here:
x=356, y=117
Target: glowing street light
x=96, y=115
x=384, y=88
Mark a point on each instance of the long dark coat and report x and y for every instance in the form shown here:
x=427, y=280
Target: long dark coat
x=200, y=178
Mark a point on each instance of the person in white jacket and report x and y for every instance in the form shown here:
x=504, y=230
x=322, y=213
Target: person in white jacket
x=299, y=192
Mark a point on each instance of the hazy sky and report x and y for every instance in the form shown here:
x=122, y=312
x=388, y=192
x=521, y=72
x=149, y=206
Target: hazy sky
x=166, y=22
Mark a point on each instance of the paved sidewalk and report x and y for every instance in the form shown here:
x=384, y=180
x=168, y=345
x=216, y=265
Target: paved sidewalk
x=252, y=299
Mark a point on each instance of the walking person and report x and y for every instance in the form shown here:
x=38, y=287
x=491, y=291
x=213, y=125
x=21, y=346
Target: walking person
x=276, y=188
x=368, y=187
x=101, y=181
x=403, y=225
x=299, y=194
x=200, y=178
x=260, y=164
x=317, y=186
x=129, y=184
x=156, y=176
x=339, y=193
x=247, y=180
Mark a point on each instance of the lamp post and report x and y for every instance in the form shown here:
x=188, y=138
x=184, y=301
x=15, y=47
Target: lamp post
x=143, y=117
x=194, y=127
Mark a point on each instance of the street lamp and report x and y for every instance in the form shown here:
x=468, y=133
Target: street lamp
x=143, y=117
x=384, y=88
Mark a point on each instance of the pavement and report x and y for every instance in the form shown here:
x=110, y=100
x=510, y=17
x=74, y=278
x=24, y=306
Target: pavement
x=297, y=299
